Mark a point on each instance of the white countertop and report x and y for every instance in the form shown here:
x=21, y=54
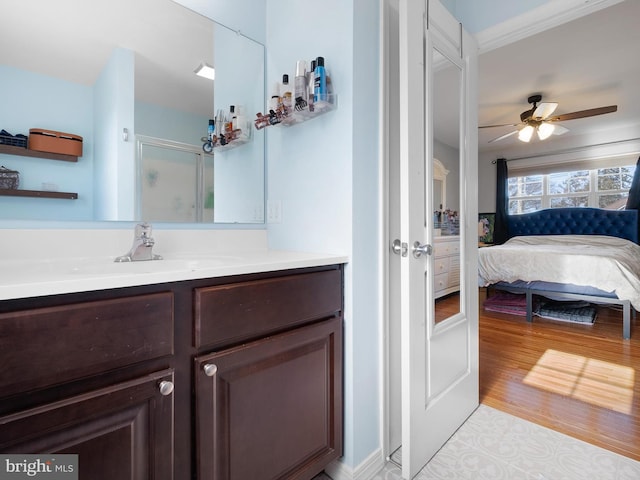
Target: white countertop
x=20, y=278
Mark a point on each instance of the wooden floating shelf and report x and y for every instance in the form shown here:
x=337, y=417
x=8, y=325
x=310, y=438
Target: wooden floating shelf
x=25, y=152
x=38, y=194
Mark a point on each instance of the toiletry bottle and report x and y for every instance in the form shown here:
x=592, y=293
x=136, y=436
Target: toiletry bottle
x=210, y=140
x=232, y=114
x=285, y=92
x=234, y=118
x=300, y=86
x=220, y=122
x=310, y=84
x=239, y=125
x=320, y=81
x=274, y=103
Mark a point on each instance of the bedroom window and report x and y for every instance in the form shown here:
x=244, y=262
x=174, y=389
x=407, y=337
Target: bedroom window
x=613, y=186
x=606, y=188
x=525, y=193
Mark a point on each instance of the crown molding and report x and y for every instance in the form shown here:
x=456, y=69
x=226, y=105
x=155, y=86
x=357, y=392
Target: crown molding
x=537, y=20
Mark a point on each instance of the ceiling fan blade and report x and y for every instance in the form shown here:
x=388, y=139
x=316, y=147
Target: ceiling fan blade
x=543, y=110
x=559, y=130
x=583, y=113
x=501, y=125
x=503, y=136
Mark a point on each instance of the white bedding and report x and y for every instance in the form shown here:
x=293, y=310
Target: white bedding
x=608, y=263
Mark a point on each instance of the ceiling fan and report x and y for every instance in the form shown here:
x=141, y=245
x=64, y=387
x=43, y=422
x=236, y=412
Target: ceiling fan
x=538, y=119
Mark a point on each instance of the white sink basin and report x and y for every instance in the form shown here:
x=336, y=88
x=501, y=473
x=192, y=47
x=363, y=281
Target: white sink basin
x=173, y=263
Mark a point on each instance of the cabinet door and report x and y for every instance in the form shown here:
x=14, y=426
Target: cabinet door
x=120, y=432
x=271, y=409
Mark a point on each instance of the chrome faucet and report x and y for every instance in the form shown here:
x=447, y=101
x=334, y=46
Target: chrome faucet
x=142, y=248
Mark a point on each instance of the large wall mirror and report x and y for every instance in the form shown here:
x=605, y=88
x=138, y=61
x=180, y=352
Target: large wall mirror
x=121, y=75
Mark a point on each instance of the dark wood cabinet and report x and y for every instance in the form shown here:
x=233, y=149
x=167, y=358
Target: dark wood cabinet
x=235, y=377
x=123, y=432
x=271, y=409
x=47, y=346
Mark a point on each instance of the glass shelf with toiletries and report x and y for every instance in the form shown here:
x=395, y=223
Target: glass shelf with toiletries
x=289, y=116
x=325, y=105
x=228, y=141
x=227, y=131
x=308, y=96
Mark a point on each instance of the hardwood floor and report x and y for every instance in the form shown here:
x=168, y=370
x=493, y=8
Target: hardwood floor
x=581, y=380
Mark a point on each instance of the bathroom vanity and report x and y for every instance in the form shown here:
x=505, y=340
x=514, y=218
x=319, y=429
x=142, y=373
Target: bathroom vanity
x=233, y=372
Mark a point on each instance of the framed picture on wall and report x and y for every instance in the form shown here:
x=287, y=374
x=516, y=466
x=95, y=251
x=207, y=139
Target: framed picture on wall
x=486, y=222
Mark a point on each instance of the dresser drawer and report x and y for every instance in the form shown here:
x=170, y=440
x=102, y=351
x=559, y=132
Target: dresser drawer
x=49, y=346
x=441, y=265
x=443, y=248
x=440, y=282
x=237, y=312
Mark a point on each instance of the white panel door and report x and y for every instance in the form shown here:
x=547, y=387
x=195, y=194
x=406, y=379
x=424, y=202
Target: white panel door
x=439, y=359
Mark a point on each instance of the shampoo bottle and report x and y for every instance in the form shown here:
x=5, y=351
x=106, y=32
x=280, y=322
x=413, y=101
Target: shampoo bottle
x=300, y=86
x=320, y=81
x=310, y=84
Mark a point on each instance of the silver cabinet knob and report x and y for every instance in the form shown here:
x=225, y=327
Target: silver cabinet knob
x=210, y=369
x=166, y=387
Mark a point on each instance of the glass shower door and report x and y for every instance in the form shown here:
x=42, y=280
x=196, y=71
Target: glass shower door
x=175, y=183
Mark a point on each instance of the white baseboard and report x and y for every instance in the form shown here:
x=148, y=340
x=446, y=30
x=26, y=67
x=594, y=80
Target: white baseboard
x=365, y=471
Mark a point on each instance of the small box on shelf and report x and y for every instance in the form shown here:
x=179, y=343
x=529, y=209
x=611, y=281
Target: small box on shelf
x=55, y=142
x=9, y=179
x=18, y=140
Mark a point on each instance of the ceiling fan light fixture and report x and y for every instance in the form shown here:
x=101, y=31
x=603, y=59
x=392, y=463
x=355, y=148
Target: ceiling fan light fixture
x=545, y=130
x=205, y=70
x=525, y=134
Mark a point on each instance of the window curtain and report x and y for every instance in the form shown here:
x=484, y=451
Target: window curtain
x=501, y=227
x=633, y=200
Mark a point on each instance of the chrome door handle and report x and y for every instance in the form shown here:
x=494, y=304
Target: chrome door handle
x=399, y=248
x=420, y=249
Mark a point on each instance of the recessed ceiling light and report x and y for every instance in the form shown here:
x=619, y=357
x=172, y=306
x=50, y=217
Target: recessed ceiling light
x=205, y=70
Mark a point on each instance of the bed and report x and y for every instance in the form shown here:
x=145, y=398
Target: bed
x=584, y=254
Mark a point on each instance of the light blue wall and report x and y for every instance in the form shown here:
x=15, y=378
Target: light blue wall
x=325, y=173
x=367, y=244
x=32, y=100
x=239, y=172
x=114, y=184
x=246, y=16
x=162, y=122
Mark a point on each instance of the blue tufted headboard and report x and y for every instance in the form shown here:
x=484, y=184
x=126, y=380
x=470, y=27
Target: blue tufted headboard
x=576, y=221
